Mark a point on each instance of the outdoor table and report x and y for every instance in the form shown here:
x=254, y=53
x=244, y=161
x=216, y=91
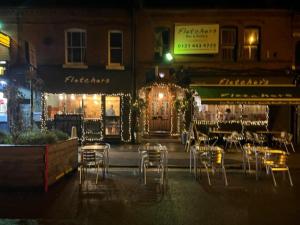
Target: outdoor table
x=102, y=150
x=220, y=134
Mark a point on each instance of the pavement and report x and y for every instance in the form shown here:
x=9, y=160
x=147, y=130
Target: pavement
x=123, y=199
x=126, y=155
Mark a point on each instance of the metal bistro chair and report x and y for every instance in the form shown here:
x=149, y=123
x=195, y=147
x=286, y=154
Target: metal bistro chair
x=251, y=156
x=234, y=138
x=260, y=139
x=153, y=156
x=276, y=161
x=213, y=158
x=89, y=160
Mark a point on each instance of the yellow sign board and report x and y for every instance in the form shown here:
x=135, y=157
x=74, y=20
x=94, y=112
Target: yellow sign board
x=4, y=40
x=196, y=39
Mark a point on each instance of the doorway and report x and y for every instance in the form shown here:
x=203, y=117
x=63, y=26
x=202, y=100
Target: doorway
x=159, y=110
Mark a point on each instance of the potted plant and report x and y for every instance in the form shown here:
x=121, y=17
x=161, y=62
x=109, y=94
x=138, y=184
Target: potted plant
x=137, y=108
x=181, y=106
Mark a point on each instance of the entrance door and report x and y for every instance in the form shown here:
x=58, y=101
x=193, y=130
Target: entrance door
x=159, y=110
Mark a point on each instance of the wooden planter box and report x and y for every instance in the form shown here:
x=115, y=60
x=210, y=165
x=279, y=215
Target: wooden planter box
x=25, y=166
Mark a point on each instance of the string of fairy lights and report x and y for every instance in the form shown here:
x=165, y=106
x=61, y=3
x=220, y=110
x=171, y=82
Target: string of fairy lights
x=146, y=119
x=242, y=120
x=96, y=135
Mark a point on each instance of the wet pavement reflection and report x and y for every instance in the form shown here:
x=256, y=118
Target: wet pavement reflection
x=122, y=198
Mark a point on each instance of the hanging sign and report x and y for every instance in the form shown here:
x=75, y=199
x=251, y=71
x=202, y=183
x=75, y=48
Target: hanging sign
x=196, y=39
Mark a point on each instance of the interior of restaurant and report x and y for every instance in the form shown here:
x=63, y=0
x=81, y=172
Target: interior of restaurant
x=99, y=112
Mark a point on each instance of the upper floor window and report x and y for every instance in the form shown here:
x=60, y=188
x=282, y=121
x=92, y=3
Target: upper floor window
x=229, y=44
x=161, y=42
x=251, y=43
x=75, y=43
x=115, y=51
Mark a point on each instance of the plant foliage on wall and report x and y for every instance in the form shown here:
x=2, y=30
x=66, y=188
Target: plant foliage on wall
x=15, y=117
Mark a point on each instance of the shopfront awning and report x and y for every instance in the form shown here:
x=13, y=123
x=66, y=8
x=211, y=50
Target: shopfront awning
x=91, y=80
x=264, y=95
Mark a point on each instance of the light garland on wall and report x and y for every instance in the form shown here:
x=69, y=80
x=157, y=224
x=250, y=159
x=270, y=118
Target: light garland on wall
x=240, y=121
x=102, y=131
x=146, y=121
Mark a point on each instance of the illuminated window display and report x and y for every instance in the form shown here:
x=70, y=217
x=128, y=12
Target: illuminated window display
x=112, y=115
x=247, y=114
x=92, y=106
x=3, y=108
x=88, y=105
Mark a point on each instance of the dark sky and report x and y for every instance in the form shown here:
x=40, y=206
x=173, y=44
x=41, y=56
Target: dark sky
x=286, y=4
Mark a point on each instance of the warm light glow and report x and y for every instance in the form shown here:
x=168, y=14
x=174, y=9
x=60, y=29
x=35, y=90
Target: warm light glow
x=84, y=96
x=251, y=39
x=95, y=102
x=95, y=97
x=160, y=95
x=161, y=75
x=61, y=97
x=72, y=97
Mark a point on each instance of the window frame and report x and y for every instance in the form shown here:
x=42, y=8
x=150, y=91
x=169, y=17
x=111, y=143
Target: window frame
x=83, y=60
x=252, y=46
x=232, y=47
x=110, y=48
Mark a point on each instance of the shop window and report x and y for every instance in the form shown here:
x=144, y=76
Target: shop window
x=75, y=42
x=161, y=42
x=63, y=104
x=112, y=115
x=92, y=106
x=87, y=105
x=3, y=108
x=115, y=51
x=228, y=44
x=251, y=44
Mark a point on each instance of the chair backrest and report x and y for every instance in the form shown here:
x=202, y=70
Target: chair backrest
x=88, y=156
x=152, y=151
x=276, y=158
x=248, y=136
x=282, y=134
x=289, y=138
x=214, y=156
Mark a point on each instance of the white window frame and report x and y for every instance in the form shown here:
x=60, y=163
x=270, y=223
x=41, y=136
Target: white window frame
x=74, y=64
x=110, y=64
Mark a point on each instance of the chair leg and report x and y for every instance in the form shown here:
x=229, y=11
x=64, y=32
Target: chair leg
x=207, y=172
x=286, y=148
x=225, y=177
x=80, y=174
x=290, y=178
x=97, y=172
x=293, y=147
x=145, y=176
x=274, y=181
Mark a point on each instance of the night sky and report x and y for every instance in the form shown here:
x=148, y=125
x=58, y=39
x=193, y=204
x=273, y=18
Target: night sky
x=284, y=4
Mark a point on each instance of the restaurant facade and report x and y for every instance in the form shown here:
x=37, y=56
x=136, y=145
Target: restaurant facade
x=239, y=64
x=84, y=60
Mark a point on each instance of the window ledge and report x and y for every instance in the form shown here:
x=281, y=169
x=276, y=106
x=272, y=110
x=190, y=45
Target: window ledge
x=75, y=66
x=115, y=67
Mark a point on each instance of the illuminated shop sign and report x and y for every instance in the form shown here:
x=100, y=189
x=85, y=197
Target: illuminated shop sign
x=4, y=40
x=196, y=39
x=85, y=80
